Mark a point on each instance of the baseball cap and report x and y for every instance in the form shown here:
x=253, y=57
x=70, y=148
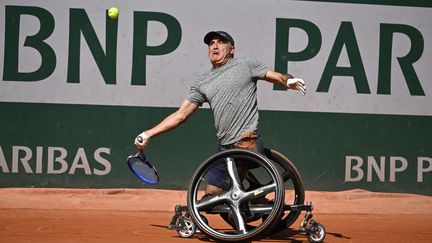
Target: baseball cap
x=221, y=34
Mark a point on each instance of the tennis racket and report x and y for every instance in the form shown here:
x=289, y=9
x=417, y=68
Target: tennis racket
x=142, y=168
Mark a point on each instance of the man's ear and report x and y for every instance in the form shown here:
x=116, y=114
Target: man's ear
x=232, y=50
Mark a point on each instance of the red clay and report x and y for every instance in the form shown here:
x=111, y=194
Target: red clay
x=132, y=215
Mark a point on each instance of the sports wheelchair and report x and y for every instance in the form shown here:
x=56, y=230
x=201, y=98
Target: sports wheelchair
x=263, y=195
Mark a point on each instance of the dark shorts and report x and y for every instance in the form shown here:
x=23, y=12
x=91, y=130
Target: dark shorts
x=217, y=174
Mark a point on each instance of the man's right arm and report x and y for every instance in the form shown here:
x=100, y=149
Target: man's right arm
x=172, y=121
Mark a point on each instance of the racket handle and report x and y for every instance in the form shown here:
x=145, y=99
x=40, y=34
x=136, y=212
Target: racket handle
x=140, y=139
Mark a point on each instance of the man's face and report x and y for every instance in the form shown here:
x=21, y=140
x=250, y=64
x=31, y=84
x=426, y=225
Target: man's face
x=220, y=51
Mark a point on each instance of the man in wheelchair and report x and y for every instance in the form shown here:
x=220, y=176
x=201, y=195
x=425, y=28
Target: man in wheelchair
x=230, y=88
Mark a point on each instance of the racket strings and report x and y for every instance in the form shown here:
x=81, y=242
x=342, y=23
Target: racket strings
x=144, y=171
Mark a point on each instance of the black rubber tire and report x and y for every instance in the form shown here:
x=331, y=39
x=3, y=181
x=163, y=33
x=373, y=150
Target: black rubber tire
x=292, y=181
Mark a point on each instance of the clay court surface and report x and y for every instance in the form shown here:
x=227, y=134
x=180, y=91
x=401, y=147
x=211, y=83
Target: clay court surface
x=142, y=215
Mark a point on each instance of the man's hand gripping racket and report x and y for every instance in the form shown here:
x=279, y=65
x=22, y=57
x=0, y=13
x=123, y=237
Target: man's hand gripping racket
x=140, y=165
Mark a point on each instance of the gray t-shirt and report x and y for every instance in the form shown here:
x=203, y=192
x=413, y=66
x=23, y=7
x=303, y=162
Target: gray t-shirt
x=231, y=93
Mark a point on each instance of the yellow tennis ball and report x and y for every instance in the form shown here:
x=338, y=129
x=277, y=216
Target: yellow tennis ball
x=113, y=12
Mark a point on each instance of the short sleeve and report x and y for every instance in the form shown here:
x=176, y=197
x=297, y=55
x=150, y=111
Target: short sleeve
x=258, y=69
x=195, y=96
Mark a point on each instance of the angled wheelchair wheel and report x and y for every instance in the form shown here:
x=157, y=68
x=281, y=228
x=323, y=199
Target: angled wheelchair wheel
x=232, y=215
x=315, y=232
x=188, y=228
x=293, y=184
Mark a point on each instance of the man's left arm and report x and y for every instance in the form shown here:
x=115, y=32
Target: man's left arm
x=286, y=80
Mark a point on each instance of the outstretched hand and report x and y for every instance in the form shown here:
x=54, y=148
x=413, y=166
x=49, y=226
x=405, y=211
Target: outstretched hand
x=297, y=84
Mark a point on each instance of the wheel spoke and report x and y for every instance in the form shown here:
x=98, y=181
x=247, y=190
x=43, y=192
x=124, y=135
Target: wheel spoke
x=233, y=173
x=209, y=202
x=238, y=219
x=259, y=192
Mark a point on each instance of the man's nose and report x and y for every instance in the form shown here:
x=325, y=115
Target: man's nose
x=215, y=45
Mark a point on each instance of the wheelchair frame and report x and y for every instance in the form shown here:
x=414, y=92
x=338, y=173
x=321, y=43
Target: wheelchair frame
x=238, y=200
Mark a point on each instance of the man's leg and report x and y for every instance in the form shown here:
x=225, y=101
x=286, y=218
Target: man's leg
x=213, y=190
x=217, y=175
x=215, y=179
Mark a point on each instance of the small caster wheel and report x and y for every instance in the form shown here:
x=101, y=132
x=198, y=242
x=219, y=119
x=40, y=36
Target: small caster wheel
x=315, y=232
x=188, y=226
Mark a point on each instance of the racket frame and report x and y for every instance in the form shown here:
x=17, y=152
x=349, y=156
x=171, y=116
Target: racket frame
x=145, y=161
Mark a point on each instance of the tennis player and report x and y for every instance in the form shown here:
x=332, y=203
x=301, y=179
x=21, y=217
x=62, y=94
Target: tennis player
x=230, y=88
